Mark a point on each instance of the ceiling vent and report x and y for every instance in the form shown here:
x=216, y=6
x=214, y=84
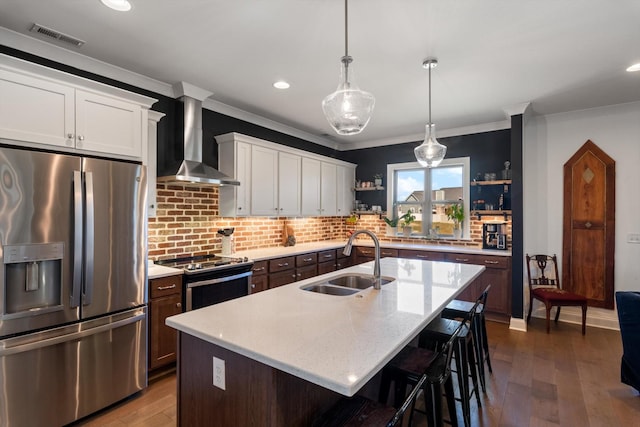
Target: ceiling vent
x=48, y=32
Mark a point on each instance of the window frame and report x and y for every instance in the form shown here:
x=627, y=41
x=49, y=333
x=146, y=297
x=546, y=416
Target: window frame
x=465, y=162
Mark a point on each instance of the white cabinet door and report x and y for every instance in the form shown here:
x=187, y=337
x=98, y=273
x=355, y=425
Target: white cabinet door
x=328, y=182
x=36, y=110
x=234, y=159
x=289, y=169
x=344, y=189
x=108, y=125
x=310, y=187
x=264, y=181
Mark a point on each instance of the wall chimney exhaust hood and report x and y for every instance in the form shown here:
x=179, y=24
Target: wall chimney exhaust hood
x=192, y=169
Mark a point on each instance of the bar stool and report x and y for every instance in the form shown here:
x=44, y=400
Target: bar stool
x=358, y=411
x=441, y=330
x=458, y=309
x=408, y=367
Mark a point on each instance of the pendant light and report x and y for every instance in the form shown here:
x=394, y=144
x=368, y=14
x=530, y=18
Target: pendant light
x=430, y=153
x=348, y=109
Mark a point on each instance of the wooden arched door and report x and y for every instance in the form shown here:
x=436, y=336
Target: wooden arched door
x=589, y=225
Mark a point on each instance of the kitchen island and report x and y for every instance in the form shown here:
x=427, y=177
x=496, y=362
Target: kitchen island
x=286, y=354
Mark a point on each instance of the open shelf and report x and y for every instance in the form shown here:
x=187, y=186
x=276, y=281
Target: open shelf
x=498, y=182
x=368, y=188
x=480, y=213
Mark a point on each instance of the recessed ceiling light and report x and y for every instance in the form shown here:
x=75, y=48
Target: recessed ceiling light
x=634, y=67
x=119, y=5
x=281, y=84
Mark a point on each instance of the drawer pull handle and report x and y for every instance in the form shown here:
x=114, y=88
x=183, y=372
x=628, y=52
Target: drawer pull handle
x=422, y=256
x=328, y=256
x=462, y=259
x=308, y=259
x=486, y=261
x=258, y=269
x=164, y=288
x=285, y=264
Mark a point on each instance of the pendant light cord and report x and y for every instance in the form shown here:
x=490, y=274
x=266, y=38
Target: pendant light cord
x=346, y=28
x=430, y=98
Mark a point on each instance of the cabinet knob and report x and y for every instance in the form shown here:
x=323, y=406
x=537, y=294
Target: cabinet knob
x=239, y=208
x=80, y=137
x=253, y=286
x=179, y=304
x=70, y=135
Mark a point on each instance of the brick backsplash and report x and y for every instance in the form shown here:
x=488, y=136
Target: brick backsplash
x=187, y=220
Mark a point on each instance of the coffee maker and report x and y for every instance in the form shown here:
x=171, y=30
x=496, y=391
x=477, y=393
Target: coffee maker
x=494, y=235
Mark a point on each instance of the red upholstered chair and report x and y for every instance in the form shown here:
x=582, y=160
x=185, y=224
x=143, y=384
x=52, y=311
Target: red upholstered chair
x=544, y=285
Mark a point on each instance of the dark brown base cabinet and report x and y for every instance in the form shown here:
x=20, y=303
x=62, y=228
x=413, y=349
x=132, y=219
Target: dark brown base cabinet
x=166, y=300
x=260, y=277
x=497, y=274
x=255, y=395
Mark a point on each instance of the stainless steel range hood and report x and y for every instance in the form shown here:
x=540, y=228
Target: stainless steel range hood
x=192, y=170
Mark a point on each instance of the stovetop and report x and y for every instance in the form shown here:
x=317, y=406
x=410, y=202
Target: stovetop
x=203, y=263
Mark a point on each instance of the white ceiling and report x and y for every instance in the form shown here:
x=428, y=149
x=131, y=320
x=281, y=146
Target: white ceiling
x=493, y=54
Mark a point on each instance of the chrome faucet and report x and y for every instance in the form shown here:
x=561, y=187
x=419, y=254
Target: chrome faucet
x=377, y=284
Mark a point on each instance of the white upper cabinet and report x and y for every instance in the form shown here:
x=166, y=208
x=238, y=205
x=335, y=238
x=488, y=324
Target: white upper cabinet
x=234, y=159
x=289, y=183
x=36, y=110
x=41, y=106
x=264, y=181
x=346, y=177
x=311, y=187
x=107, y=125
x=282, y=181
x=328, y=189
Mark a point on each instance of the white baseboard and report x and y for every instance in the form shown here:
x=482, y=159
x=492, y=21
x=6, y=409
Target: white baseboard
x=596, y=317
x=518, y=325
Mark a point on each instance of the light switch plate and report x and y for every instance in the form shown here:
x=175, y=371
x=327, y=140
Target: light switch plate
x=633, y=238
x=219, y=374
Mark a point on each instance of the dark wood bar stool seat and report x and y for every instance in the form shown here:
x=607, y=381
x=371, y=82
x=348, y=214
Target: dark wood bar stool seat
x=458, y=309
x=358, y=411
x=439, y=331
x=409, y=366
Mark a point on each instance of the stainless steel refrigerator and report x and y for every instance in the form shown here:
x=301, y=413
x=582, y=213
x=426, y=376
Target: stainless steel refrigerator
x=73, y=298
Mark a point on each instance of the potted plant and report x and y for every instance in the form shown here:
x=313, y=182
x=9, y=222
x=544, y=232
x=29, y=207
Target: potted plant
x=392, y=225
x=377, y=179
x=455, y=213
x=407, y=219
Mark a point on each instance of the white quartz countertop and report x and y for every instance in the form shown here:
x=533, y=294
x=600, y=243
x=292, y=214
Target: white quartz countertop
x=157, y=271
x=282, y=251
x=337, y=342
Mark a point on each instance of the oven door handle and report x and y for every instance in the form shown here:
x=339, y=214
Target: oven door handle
x=219, y=280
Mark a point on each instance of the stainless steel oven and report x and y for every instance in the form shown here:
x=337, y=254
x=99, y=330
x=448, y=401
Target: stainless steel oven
x=212, y=279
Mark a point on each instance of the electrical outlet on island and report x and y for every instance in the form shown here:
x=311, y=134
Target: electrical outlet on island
x=218, y=373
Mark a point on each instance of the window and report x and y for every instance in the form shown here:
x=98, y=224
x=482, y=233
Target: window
x=427, y=192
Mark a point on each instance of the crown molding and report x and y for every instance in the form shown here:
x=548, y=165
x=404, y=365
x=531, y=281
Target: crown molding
x=443, y=133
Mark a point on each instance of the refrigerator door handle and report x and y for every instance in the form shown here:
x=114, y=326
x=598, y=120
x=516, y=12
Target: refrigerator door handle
x=21, y=348
x=89, y=240
x=76, y=288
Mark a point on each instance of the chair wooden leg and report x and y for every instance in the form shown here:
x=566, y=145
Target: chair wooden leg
x=584, y=318
x=558, y=314
x=530, y=308
x=548, y=308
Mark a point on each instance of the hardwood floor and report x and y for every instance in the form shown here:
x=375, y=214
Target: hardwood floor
x=538, y=380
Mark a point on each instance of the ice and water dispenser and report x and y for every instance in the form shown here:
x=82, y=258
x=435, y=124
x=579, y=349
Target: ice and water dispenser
x=32, y=279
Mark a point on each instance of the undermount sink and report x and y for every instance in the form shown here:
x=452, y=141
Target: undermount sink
x=347, y=284
x=329, y=290
x=358, y=281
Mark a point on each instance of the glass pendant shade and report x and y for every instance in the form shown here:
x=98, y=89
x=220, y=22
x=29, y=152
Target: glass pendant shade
x=430, y=153
x=348, y=109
